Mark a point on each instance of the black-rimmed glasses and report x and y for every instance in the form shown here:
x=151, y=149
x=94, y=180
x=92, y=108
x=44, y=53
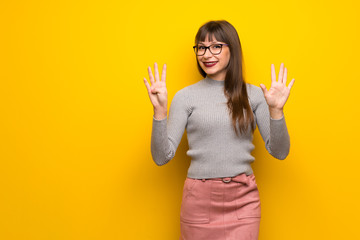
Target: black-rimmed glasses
x=213, y=48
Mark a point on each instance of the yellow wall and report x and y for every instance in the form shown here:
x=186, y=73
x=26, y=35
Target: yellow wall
x=75, y=118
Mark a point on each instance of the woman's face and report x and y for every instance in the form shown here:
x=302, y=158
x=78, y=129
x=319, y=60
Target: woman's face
x=214, y=65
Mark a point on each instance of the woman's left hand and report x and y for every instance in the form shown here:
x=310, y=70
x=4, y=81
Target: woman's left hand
x=278, y=93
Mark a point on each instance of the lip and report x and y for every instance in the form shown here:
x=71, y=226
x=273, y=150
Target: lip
x=210, y=64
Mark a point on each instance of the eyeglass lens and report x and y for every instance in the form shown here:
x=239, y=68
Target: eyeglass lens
x=214, y=49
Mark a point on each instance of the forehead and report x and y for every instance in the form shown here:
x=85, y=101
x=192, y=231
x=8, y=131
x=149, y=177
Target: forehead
x=209, y=41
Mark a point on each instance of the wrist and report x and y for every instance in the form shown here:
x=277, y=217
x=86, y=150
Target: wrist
x=160, y=114
x=276, y=113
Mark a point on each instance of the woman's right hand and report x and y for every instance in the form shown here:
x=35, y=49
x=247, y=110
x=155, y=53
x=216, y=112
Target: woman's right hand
x=157, y=91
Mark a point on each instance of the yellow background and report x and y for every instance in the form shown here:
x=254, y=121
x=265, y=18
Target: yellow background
x=75, y=118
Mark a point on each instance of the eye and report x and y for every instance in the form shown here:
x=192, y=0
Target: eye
x=201, y=47
x=217, y=46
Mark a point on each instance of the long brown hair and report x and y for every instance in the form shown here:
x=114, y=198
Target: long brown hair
x=235, y=86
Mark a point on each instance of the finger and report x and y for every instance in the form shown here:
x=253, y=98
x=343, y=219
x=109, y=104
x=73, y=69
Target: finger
x=151, y=76
x=154, y=90
x=281, y=73
x=273, y=74
x=147, y=85
x=285, y=76
x=160, y=91
x=291, y=83
x=263, y=88
x=163, y=74
x=156, y=72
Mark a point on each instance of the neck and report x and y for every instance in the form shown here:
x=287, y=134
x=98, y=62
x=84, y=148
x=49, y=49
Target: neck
x=214, y=82
x=217, y=77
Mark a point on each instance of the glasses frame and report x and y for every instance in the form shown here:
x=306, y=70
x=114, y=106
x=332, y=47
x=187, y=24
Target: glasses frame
x=208, y=47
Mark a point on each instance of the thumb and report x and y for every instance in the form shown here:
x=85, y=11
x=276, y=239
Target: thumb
x=263, y=88
x=154, y=90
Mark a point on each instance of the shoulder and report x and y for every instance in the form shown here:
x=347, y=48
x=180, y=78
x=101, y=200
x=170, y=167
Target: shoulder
x=253, y=90
x=182, y=96
x=255, y=95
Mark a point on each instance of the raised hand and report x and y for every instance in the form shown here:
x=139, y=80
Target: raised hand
x=157, y=91
x=278, y=93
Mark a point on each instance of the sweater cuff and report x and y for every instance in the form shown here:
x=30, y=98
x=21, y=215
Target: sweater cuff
x=277, y=124
x=159, y=120
x=277, y=119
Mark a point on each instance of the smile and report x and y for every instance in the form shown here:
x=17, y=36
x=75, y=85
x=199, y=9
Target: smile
x=210, y=64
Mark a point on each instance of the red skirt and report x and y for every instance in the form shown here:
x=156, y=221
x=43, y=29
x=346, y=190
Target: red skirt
x=220, y=209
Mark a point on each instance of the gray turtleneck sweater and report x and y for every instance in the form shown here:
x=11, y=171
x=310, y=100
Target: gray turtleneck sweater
x=214, y=148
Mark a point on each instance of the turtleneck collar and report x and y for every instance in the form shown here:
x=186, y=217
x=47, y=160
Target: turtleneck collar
x=214, y=82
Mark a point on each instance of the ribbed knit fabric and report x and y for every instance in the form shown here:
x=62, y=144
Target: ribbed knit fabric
x=214, y=148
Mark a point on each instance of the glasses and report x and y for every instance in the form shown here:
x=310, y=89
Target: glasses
x=213, y=48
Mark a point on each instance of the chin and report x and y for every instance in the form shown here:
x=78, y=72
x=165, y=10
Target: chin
x=211, y=72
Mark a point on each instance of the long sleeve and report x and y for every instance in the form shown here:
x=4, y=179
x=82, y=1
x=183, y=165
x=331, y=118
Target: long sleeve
x=167, y=133
x=273, y=131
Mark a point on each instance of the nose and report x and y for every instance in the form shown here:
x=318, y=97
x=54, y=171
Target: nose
x=207, y=53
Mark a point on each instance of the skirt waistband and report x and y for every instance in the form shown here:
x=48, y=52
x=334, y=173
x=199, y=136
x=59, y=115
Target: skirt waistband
x=241, y=178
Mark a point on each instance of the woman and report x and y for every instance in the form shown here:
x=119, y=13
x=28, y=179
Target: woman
x=220, y=113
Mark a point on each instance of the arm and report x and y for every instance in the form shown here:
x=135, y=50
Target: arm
x=273, y=131
x=270, y=109
x=167, y=133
